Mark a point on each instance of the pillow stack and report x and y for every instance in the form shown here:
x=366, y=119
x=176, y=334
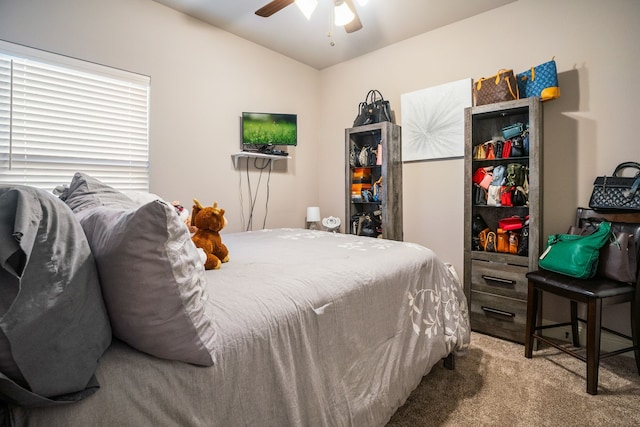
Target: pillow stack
x=152, y=278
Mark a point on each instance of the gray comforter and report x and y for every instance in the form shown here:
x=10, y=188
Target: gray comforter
x=313, y=329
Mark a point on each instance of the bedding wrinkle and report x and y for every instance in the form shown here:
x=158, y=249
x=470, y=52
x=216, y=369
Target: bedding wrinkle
x=318, y=333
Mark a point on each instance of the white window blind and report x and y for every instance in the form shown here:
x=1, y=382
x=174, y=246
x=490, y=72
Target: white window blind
x=59, y=116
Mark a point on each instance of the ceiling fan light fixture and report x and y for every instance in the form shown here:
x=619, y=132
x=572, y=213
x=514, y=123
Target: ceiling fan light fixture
x=307, y=7
x=343, y=15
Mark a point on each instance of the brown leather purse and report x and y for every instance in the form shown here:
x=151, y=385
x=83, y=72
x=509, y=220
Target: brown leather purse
x=497, y=88
x=617, y=259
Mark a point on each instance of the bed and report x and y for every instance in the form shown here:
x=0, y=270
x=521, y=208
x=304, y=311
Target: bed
x=306, y=328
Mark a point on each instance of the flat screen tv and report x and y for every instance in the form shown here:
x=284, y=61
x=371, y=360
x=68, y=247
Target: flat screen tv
x=261, y=130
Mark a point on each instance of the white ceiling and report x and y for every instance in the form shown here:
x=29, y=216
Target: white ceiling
x=384, y=22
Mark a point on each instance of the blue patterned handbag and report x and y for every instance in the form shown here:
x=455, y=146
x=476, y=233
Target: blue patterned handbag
x=541, y=80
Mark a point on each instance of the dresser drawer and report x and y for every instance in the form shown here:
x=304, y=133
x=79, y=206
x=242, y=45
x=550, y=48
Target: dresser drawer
x=499, y=278
x=499, y=316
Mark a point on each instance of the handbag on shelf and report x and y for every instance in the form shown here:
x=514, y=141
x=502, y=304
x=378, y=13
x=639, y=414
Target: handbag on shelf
x=506, y=195
x=479, y=152
x=482, y=238
x=575, y=255
x=483, y=177
x=523, y=244
x=497, y=88
x=367, y=156
x=617, y=260
x=366, y=226
x=502, y=241
x=616, y=191
x=499, y=144
x=510, y=131
x=494, y=195
x=519, y=197
x=478, y=224
x=506, y=149
x=513, y=242
x=489, y=150
x=490, y=244
x=362, y=116
x=515, y=175
x=541, y=80
x=511, y=223
x=518, y=148
x=374, y=109
x=479, y=195
x=498, y=175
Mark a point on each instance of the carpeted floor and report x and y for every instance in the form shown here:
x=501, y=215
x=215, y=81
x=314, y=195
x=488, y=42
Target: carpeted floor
x=495, y=385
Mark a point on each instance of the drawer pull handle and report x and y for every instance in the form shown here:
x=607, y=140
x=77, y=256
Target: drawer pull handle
x=499, y=312
x=499, y=280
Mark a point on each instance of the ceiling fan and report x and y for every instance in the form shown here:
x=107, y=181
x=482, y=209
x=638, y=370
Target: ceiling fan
x=345, y=11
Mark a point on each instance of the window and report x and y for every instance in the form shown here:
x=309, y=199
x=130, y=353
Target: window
x=60, y=115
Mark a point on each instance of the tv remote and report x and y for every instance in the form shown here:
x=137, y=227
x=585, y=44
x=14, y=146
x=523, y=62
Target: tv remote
x=279, y=153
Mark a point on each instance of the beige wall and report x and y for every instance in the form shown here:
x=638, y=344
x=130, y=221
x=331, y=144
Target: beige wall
x=588, y=131
x=203, y=78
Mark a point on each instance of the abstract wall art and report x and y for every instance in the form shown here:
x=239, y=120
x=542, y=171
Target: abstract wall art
x=433, y=121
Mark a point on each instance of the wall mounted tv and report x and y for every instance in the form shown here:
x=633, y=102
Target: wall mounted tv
x=260, y=130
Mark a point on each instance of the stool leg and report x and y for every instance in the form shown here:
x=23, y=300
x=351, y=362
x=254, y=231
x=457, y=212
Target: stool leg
x=594, y=319
x=574, y=324
x=635, y=327
x=532, y=313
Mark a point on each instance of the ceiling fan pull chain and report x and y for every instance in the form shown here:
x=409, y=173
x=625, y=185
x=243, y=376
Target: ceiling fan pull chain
x=330, y=32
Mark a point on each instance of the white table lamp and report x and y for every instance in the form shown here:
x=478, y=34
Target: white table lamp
x=313, y=217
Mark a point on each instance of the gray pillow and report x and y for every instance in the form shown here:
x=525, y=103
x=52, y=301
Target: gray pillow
x=54, y=330
x=86, y=192
x=153, y=280
x=152, y=277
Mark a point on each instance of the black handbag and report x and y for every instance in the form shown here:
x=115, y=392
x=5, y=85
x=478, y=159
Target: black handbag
x=518, y=148
x=479, y=195
x=374, y=109
x=367, y=226
x=617, y=192
x=523, y=244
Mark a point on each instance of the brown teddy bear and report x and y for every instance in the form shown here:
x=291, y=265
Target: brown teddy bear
x=209, y=221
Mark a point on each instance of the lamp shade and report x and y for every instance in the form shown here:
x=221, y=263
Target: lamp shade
x=313, y=214
x=343, y=15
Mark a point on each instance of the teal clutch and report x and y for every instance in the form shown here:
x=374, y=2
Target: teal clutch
x=573, y=255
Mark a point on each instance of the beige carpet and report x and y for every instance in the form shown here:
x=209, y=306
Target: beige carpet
x=495, y=385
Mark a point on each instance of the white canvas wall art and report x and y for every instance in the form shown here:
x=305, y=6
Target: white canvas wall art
x=433, y=121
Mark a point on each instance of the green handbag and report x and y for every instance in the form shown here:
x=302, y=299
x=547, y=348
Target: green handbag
x=573, y=255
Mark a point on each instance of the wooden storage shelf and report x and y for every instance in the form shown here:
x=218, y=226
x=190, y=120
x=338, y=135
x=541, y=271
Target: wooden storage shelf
x=374, y=186
x=495, y=282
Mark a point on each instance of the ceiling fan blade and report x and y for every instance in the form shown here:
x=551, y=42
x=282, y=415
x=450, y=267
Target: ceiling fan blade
x=355, y=24
x=273, y=7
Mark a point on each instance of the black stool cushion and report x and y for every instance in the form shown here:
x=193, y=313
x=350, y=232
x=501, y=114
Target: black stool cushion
x=596, y=287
